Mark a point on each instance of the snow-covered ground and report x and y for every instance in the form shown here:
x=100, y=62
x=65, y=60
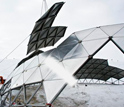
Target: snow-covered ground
x=83, y=95
x=92, y=95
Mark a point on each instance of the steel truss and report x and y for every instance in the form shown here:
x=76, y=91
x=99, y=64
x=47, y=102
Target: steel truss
x=7, y=98
x=7, y=94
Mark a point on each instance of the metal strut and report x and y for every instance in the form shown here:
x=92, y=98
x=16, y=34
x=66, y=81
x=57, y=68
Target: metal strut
x=44, y=7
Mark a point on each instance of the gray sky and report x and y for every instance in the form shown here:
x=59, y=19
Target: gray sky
x=17, y=19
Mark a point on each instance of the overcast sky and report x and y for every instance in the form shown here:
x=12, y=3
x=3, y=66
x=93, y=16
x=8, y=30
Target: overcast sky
x=17, y=19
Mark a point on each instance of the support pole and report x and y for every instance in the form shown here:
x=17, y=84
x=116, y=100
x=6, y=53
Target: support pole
x=34, y=93
x=44, y=7
x=25, y=99
x=17, y=95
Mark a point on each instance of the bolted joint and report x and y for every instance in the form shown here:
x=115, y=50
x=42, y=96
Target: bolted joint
x=80, y=41
x=110, y=37
x=90, y=56
x=61, y=60
x=98, y=27
x=39, y=65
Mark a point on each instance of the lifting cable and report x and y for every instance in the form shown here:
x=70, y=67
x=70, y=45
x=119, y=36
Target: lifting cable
x=13, y=49
x=8, y=67
x=44, y=5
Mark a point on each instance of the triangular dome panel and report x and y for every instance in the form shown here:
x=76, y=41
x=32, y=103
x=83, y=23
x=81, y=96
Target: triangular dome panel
x=93, y=45
x=35, y=77
x=72, y=65
x=84, y=33
x=120, y=33
x=28, y=73
x=112, y=29
x=96, y=35
x=17, y=80
x=120, y=42
x=52, y=88
x=34, y=63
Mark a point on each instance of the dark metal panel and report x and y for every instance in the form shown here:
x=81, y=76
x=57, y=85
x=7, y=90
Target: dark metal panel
x=43, y=30
x=92, y=70
x=29, y=57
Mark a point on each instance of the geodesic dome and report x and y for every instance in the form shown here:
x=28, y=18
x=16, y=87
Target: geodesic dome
x=75, y=55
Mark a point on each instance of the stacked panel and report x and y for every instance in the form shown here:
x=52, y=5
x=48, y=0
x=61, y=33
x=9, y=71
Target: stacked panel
x=43, y=34
x=100, y=70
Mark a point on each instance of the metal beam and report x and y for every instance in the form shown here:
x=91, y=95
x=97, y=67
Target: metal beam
x=34, y=93
x=91, y=56
x=25, y=100
x=16, y=96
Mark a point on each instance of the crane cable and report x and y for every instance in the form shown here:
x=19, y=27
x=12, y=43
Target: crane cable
x=14, y=49
x=46, y=7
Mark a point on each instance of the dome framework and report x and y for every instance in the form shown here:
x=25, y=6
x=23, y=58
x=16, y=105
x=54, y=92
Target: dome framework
x=74, y=55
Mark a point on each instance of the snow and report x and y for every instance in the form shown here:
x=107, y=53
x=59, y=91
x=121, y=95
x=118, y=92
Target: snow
x=84, y=95
x=92, y=95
